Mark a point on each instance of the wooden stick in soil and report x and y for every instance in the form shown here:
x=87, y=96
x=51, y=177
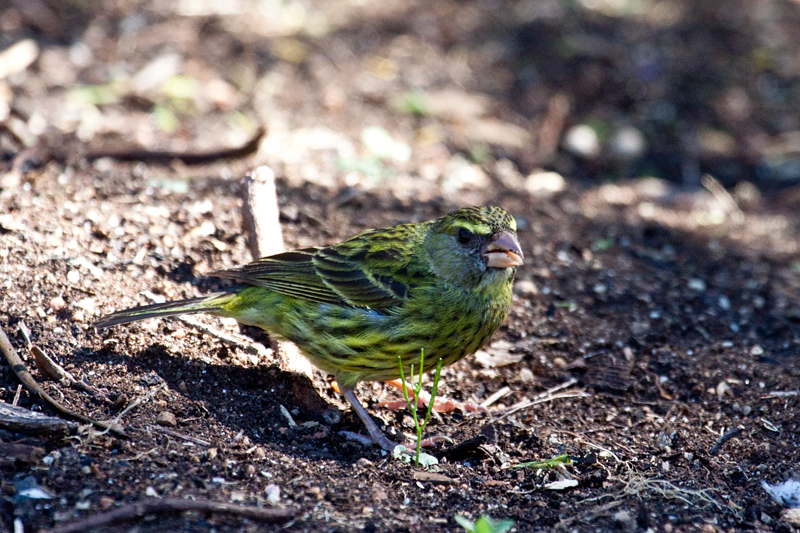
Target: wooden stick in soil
x=26, y=378
x=143, y=508
x=261, y=216
x=56, y=372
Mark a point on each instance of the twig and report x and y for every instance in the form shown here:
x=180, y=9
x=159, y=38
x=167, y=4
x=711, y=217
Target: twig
x=545, y=396
x=56, y=372
x=143, y=508
x=261, y=216
x=189, y=158
x=150, y=394
x=782, y=394
x=17, y=395
x=589, y=515
x=582, y=439
x=261, y=213
x=723, y=197
x=491, y=400
x=177, y=435
x=26, y=378
x=725, y=438
x=21, y=420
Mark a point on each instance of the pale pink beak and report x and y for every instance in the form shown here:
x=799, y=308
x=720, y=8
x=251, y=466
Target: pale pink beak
x=503, y=251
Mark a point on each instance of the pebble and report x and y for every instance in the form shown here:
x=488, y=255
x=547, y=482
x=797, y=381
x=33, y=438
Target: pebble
x=525, y=287
x=259, y=453
x=167, y=419
x=273, y=493
x=57, y=303
x=73, y=276
x=560, y=362
x=363, y=462
x=525, y=375
x=582, y=140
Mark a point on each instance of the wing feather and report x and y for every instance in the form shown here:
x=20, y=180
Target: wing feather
x=357, y=272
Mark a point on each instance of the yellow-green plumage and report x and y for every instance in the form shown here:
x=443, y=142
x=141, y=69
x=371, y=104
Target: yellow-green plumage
x=352, y=308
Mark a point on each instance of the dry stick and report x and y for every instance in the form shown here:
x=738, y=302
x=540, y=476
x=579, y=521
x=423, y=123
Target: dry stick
x=173, y=505
x=188, y=438
x=56, y=372
x=189, y=158
x=723, y=197
x=527, y=403
x=264, y=237
x=26, y=378
x=590, y=514
x=261, y=213
x=579, y=394
x=21, y=420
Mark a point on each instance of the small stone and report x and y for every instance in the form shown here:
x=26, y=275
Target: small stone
x=78, y=316
x=525, y=287
x=87, y=304
x=57, y=303
x=526, y=375
x=560, y=362
x=791, y=515
x=273, y=493
x=104, y=502
x=166, y=419
x=582, y=140
x=363, y=462
x=73, y=276
x=697, y=284
x=543, y=184
x=259, y=453
x=150, y=491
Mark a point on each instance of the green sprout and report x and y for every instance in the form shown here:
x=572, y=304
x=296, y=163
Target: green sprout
x=416, y=389
x=547, y=464
x=485, y=524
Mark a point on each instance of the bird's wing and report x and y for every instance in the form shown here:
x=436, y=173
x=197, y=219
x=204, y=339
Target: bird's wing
x=360, y=277
x=290, y=273
x=350, y=273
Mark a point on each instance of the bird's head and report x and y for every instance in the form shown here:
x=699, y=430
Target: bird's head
x=474, y=245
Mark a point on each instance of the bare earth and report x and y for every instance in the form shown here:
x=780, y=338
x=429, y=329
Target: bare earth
x=651, y=317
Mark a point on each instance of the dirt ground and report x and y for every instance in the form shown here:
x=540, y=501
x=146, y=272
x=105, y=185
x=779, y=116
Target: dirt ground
x=655, y=331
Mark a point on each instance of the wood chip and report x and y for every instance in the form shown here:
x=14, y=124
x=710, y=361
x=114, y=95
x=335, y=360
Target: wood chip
x=433, y=477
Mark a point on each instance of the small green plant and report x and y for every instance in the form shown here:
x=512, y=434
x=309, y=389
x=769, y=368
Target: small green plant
x=416, y=389
x=485, y=524
x=547, y=464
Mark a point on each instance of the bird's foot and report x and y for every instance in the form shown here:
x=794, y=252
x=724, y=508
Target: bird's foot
x=440, y=405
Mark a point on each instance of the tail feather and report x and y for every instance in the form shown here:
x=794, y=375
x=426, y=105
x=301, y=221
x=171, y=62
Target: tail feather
x=202, y=304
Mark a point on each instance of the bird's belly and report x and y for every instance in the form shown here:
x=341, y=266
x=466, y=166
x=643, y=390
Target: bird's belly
x=360, y=344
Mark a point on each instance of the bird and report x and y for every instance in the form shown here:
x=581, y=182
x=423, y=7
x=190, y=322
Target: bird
x=353, y=308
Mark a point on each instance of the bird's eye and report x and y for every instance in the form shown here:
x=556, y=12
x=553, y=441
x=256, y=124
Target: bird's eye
x=464, y=236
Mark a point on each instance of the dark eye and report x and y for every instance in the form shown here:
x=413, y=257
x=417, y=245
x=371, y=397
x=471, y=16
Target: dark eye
x=464, y=236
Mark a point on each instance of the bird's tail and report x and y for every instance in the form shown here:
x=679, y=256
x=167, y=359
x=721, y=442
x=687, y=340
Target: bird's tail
x=212, y=303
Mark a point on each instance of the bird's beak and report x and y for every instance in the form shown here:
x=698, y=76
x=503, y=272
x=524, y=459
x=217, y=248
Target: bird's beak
x=503, y=251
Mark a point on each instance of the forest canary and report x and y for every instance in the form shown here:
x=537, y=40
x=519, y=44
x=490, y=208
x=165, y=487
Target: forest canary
x=352, y=308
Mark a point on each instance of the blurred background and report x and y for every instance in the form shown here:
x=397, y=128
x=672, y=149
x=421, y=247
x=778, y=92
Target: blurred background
x=422, y=96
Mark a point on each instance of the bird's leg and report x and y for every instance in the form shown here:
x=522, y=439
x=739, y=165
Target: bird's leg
x=375, y=434
x=440, y=405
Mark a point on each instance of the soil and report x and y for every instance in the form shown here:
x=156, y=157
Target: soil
x=654, y=336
